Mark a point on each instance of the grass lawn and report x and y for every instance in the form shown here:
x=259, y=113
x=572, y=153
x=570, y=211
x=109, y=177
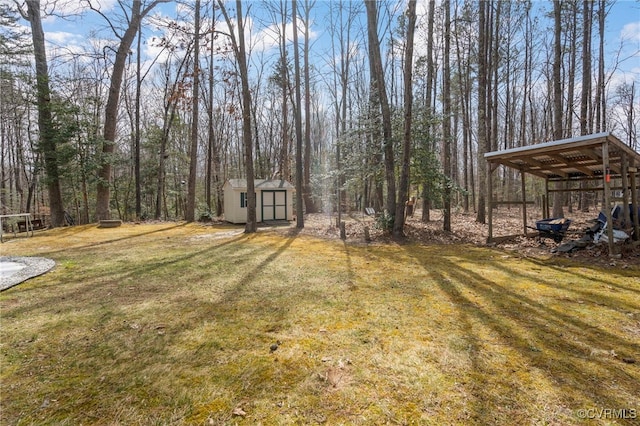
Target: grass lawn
x=190, y=324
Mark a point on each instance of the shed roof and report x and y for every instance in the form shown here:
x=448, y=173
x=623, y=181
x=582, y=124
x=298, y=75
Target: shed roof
x=268, y=184
x=576, y=157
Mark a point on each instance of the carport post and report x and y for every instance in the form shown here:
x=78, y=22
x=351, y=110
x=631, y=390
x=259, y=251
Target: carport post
x=625, y=189
x=524, y=203
x=634, y=201
x=545, y=211
x=490, y=170
x=606, y=176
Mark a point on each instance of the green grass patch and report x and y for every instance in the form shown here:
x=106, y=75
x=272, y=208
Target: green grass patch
x=174, y=323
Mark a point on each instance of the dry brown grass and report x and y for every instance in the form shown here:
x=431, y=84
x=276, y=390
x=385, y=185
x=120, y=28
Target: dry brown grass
x=174, y=323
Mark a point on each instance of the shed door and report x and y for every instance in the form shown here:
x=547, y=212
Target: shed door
x=274, y=205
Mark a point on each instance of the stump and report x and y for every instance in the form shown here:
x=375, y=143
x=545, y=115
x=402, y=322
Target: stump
x=110, y=223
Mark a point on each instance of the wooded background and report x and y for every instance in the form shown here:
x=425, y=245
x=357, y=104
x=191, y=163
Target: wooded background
x=359, y=103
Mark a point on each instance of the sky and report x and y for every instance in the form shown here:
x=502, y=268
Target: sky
x=624, y=22
x=622, y=34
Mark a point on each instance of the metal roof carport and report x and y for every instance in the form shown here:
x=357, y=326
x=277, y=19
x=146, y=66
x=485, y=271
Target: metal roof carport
x=599, y=156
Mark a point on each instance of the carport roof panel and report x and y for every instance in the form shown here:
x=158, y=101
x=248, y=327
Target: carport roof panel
x=567, y=158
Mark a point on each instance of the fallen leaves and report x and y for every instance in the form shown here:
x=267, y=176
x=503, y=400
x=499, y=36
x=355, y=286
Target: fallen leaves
x=465, y=230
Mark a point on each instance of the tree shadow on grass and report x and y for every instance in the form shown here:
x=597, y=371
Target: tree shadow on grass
x=351, y=276
x=66, y=232
x=111, y=329
x=575, y=270
x=109, y=281
x=584, y=292
x=218, y=338
x=252, y=275
x=145, y=274
x=551, y=340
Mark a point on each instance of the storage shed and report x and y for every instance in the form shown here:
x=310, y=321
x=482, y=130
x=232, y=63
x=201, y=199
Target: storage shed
x=274, y=200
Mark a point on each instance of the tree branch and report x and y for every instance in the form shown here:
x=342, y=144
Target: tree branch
x=21, y=11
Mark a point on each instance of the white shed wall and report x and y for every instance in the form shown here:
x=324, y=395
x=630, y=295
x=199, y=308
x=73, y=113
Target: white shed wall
x=232, y=211
x=275, y=203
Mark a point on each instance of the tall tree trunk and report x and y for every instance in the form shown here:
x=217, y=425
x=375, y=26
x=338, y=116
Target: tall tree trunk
x=601, y=102
x=47, y=141
x=308, y=197
x=193, y=151
x=171, y=104
x=103, y=195
x=136, y=140
x=494, y=47
x=299, y=142
x=572, y=39
x=527, y=79
x=403, y=190
x=427, y=145
x=482, y=111
x=239, y=48
x=446, y=119
x=463, y=75
x=557, y=92
x=285, y=165
x=341, y=31
x=213, y=150
x=209, y=167
x=345, y=63
x=585, y=98
x=378, y=85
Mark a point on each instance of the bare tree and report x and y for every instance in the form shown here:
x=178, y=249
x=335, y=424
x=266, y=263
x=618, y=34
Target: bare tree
x=135, y=16
x=342, y=72
x=628, y=120
x=464, y=76
x=571, y=38
x=284, y=164
x=306, y=193
x=483, y=140
x=298, y=118
x=600, y=98
x=135, y=120
x=214, y=166
x=173, y=96
x=585, y=97
x=557, y=91
x=239, y=48
x=193, y=151
x=381, y=100
x=446, y=119
x=403, y=190
x=47, y=135
x=427, y=145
